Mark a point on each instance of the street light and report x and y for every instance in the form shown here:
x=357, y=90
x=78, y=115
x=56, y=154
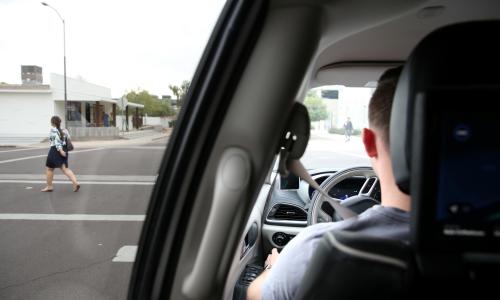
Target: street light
x=64, y=47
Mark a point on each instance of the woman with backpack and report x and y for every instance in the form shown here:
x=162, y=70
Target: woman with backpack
x=58, y=155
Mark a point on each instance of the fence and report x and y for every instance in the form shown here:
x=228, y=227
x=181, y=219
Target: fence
x=82, y=133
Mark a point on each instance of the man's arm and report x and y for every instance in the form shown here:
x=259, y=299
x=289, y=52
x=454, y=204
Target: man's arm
x=254, y=291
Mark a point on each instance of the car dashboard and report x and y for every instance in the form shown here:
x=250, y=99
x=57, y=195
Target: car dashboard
x=286, y=211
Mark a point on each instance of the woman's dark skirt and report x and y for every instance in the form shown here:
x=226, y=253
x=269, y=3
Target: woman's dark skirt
x=55, y=159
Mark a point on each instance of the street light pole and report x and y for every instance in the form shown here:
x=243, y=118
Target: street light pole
x=64, y=49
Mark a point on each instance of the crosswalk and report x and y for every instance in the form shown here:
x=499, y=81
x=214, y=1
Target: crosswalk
x=62, y=208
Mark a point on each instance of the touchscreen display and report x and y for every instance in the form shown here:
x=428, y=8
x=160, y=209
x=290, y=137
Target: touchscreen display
x=290, y=182
x=469, y=174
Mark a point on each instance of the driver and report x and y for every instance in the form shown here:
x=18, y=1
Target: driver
x=283, y=272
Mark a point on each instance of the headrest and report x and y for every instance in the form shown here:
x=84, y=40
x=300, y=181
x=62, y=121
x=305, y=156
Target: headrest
x=294, y=138
x=461, y=55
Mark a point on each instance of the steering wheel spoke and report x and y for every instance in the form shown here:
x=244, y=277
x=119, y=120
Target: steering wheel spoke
x=369, y=184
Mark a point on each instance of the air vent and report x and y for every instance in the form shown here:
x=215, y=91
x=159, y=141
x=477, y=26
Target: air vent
x=287, y=212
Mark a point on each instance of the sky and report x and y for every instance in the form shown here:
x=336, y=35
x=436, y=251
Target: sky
x=120, y=44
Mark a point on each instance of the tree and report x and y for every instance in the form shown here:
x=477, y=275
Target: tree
x=180, y=92
x=175, y=90
x=184, y=89
x=316, y=107
x=152, y=105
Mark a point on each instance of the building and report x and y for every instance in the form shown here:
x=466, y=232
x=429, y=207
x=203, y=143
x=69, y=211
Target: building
x=31, y=75
x=345, y=102
x=26, y=109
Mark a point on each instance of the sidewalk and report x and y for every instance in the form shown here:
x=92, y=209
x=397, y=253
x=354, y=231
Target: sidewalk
x=322, y=134
x=131, y=138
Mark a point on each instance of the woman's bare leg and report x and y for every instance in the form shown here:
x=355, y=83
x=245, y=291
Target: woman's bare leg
x=49, y=174
x=69, y=174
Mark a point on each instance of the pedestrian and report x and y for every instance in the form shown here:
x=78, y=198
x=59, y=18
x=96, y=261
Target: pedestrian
x=58, y=155
x=106, y=120
x=348, y=129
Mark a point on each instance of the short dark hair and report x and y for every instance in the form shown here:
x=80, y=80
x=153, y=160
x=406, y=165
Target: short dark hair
x=379, y=109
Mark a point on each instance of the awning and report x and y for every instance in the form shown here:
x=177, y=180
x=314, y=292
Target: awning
x=91, y=101
x=131, y=104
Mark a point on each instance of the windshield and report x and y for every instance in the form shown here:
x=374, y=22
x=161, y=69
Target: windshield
x=338, y=115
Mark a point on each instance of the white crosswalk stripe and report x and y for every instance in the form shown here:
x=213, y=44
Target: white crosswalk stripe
x=126, y=254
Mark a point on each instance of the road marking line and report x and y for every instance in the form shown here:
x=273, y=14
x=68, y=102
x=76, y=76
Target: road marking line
x=60, y=177
x=72, y=217
x=82, y=182
x=136, y=147
x=24, y=149
x=44, y=155
x=126, y=254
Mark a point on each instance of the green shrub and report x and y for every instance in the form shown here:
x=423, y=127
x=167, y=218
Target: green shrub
x=335, y=130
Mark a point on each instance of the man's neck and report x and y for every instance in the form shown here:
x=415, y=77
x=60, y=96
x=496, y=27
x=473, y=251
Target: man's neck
x=392, y=196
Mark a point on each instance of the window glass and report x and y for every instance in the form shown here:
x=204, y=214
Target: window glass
x=338, y=115
x=110, y=77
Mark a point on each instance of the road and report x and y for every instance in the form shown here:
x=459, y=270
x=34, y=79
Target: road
x=65, y=245
x=332, y=151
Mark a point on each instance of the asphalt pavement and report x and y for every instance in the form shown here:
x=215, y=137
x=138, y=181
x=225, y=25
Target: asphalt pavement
x=66, y=245
x=333, y=151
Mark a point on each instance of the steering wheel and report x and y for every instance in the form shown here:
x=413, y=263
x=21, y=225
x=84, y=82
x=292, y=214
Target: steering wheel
x=321, y=209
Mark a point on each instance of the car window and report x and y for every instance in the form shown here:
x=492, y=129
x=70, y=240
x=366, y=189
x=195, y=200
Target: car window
x=115, y=74
x=338, y=115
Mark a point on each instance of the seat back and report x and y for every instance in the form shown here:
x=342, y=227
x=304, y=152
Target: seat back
x=349, y=266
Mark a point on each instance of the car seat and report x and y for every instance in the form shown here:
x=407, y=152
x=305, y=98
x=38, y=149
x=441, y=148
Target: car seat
x=445, y=93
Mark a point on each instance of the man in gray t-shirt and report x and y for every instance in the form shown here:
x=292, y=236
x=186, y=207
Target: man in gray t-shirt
x=285, y=278
x=284, y=272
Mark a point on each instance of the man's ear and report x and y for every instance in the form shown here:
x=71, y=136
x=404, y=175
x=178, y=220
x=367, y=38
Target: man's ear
x=369, y=141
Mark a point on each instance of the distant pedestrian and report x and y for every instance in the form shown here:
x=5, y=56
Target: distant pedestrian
x=58, y=155
x=106, y=120
x=348, y=129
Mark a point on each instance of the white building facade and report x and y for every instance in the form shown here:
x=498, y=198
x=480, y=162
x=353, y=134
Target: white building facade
x=351, y=102
x=25, y=110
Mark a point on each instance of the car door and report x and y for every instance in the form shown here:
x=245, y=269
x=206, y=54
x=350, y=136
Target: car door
x=222, y=149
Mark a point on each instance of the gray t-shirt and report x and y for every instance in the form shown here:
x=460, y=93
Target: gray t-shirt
x=285, y=276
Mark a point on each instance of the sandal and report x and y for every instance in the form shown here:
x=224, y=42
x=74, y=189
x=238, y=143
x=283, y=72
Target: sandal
x=47, y=189
x=76, y=188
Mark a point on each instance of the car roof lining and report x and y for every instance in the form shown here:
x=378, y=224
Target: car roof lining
x=379, y=31
x=354, y=74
